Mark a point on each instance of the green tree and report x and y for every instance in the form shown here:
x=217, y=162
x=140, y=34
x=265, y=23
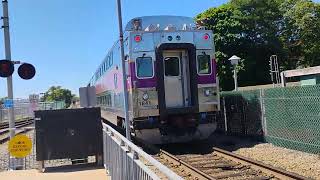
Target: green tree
x=226, y=25
x=255, y=30
x=261, y=20
x=300, y=33
x=56, y=93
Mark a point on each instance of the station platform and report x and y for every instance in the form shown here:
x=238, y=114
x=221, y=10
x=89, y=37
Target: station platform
x=61, y=173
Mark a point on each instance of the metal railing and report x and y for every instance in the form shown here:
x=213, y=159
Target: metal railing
x=125, y=160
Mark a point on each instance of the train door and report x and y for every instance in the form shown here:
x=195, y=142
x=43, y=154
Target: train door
x=176, y=78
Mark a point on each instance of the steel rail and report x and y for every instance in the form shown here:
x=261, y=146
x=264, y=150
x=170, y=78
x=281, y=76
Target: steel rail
x=174, y=160
x=7, y=138
x=18, y=125
x=198, y=173
x=189, y=168
x=6, y=124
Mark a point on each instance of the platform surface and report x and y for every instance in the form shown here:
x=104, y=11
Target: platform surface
x=59, y=174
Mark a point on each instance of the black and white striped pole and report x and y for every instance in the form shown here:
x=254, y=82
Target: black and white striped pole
x=124, y=74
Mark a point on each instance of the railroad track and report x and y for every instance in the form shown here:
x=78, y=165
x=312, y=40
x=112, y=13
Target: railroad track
x=20, y=128
x=6, y=124
x=219, y=164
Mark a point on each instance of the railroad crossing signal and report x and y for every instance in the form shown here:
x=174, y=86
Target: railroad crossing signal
x=26, y=71
x=6, y=68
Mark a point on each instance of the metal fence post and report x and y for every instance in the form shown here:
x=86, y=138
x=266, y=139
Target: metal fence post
x=225, y=116
x=262, y=107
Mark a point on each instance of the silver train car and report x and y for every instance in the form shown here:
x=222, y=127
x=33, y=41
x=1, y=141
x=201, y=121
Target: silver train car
x=171, y=77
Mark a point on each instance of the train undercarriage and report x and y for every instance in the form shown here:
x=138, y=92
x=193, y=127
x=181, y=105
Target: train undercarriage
x=172, y=129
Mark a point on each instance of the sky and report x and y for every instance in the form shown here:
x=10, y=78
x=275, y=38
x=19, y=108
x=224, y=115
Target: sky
x=67, y=39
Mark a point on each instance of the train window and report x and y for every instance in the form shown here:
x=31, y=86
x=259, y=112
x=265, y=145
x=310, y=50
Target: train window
x=172, y=66
x=111, y=59
x=107, y=62
x=204, y=64
x=144, y=67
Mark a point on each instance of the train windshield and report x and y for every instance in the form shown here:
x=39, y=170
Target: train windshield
x=144, y=67
x=204, y=64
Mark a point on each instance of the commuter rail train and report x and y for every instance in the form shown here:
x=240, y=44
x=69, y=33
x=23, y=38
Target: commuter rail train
x=171, y=79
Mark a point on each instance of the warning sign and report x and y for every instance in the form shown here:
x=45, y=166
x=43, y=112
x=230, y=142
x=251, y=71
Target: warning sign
x=20, y=146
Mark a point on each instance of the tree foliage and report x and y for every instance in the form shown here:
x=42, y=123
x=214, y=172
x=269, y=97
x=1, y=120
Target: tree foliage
x=255, y=30
x=56, y=93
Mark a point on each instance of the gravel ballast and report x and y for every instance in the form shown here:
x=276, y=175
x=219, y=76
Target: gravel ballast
x=302, y=163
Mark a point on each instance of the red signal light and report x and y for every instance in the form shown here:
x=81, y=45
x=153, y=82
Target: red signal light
x=6, y=68
x=137, y=38
x=26, y=71
x=206, y=37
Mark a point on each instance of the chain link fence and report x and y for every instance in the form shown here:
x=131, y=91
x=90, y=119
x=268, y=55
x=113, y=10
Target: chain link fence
x=51, y=105
x=241, y=113
x=24, y=109
x=288, y=117
x=293, y=117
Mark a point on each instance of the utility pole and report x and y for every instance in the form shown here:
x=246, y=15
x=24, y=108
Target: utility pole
x=7, y=47
x=12, y=161
x=124, y=74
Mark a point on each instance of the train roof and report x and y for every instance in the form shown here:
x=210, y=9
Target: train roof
x=149, y=23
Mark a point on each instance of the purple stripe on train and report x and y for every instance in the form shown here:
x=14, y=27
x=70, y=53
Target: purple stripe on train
x=142, y=83
x=209, y=79
x=152, y=82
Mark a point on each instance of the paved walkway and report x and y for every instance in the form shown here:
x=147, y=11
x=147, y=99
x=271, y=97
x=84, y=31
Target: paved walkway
x=57, y=174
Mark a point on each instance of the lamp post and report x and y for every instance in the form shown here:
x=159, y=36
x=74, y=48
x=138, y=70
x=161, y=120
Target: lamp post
x=235, y=61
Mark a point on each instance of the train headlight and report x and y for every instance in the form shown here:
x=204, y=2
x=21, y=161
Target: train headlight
x=145, y=96
x=207, y=92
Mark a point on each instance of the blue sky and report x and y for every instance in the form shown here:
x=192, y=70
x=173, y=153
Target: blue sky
x=67, y=39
